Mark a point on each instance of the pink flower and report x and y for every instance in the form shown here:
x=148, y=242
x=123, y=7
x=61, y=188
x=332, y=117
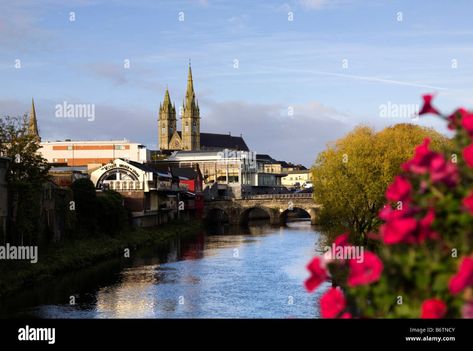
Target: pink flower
x=318, y=274
x=399, y=226
x=341, y=240
x=424, y=230
x=460, y=117
x=420, y=163
x=399, y=190
x=467, y=310
x=468, y=155
x=332, y=303
x=433, y=308
x=427, y=161
x=365, y=272
x=402, y=227
x=443, y=171
x=428, y=108
x=463, y=278
x=468, y=203
x=466, y=120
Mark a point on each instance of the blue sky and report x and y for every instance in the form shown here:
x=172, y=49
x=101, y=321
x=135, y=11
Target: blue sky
x=332, y=66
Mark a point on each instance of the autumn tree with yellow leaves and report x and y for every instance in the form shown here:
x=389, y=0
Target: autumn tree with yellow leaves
x=351, y=176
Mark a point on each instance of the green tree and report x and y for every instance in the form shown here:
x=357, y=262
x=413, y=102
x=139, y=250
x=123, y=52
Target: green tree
x=350, y=177
x=27, y=172
x=27, y=165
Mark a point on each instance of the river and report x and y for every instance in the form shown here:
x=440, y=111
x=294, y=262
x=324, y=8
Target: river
x=257, y=272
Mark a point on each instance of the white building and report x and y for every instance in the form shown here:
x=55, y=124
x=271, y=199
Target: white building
x=231, y=173
x=92, y=152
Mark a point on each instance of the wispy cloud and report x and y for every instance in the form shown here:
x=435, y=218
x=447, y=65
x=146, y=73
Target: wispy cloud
x=356, y=77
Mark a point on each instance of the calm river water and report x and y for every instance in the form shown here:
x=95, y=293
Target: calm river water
x=256, y=272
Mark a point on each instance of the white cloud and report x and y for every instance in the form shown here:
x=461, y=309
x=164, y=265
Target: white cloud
x=313, y=4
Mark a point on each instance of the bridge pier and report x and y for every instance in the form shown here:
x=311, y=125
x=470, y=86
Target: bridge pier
x=275, y=217
x=313, y=212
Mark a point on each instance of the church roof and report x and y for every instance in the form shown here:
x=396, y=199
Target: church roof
x=222, y=141
x=212, y=141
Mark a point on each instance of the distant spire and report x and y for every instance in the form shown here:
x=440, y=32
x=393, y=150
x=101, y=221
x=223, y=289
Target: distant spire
x=33, y=123
x=190, y=95
x=167, y=98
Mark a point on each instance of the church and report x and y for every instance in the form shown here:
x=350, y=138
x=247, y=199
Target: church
x=189, y=138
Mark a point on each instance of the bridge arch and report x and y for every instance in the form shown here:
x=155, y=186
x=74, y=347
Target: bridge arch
x=217, y=215
x=295, y=212
x=255, y=212
x=259, y=212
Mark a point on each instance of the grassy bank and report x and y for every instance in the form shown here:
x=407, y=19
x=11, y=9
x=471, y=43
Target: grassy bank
x=73, y=255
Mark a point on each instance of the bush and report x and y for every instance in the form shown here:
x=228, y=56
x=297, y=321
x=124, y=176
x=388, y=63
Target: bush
x=112, y=216
x=25, y=198
x=85, y=205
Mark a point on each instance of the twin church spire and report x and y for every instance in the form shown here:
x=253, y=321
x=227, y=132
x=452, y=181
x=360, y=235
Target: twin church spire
x=189, y=136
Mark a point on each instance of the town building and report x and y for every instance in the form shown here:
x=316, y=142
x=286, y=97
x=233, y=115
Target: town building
x=228, y=173
x=151, y=195
x=92, y=153
x=297, y=179
x=288, y=166
x=64, y=176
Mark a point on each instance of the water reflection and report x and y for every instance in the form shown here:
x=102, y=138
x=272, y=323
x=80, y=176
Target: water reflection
x=225, y=272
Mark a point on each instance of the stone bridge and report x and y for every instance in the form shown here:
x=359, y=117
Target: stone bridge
x=276, y=206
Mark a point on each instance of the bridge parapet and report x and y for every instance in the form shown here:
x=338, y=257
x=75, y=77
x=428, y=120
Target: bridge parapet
x=278, y=196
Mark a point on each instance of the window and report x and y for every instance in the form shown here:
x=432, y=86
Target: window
x=187, y=127
x=163, y=130
x=69, y=147
x=119, y=147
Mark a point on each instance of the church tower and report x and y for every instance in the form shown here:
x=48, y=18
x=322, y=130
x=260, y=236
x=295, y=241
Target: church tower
x=190, y=118
x=166, y=122
x=33, y=123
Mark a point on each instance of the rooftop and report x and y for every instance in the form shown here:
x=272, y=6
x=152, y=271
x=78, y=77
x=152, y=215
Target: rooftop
x=69, y=141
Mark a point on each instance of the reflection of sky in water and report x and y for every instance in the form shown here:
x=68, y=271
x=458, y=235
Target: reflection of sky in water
x=237, y=276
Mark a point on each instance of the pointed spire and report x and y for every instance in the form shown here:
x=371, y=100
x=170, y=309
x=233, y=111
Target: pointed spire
x=167, y=98
x=190, y=95
x=32, y=123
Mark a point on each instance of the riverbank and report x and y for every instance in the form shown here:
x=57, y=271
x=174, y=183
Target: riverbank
x=77, y=254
